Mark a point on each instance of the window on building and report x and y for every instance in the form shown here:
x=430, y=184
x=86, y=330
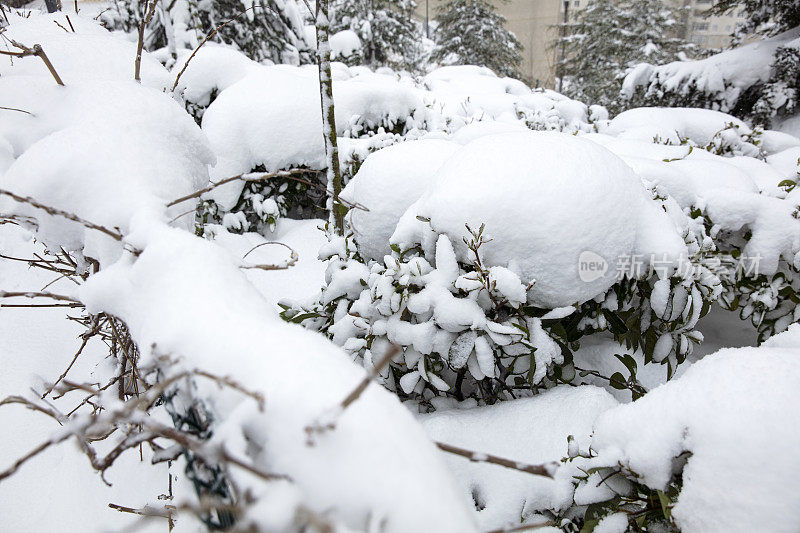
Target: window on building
x=700, y=26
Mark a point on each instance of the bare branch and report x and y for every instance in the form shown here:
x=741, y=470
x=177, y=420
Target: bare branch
x=241, y=177
x=149, y=9
x=293, y=258
x=53, y=296
x=327, y=421
x=545, y=469
x=35, y=50
x=15, y=109
x=116, y=235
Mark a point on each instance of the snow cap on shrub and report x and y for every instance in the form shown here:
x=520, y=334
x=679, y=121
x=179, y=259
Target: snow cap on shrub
x=548, y=200
x=389, y=181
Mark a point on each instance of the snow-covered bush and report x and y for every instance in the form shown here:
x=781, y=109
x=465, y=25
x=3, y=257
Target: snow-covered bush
x=104, y=160
x=489, y=296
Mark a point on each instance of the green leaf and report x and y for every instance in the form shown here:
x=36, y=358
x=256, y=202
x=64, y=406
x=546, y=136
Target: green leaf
x=664, y=500
x=618, y=381
x=628, y=361
x=615, y=324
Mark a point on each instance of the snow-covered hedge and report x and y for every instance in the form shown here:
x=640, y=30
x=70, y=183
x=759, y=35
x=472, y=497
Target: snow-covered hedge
x=480, y=262
x=503, y=263
x=234, y=100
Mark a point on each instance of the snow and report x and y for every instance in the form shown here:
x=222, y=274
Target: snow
x=344, y=43
x=303, y=236
x=530, y=430
x=302, y=374
x=57, y=492
x=388, y=182
x=723, y=76
x=728, y=397
x=545, y=198
x=560, y=209
x=213, y=68
x=672, y=124
x=247, y=129
x=114, y=174
x=88, y=53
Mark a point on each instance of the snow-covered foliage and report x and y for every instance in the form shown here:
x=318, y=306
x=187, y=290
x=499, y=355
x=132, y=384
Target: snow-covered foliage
x=514, y=268
x=101, y=192
x=233, y=98
x=688, y=456
x=376, y=33
x=471, y=32
x=491, y=264
x=272, y=30
x=757, y=81
x=690, y=442
x=606, y=40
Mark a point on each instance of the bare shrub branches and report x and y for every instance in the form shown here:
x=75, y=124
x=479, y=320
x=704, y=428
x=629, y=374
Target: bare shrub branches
x=35, y=50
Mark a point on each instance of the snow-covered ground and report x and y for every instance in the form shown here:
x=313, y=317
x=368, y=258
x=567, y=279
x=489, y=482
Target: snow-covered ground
x=489, y=231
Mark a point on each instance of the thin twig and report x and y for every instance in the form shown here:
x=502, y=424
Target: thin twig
x=293, y=258
x=523, y=527
x=147, y=15
x=327, y=421
x=58, y=212
x=545, y=470
x=86, y=336
x=15, y=109
x=242, y=177
x=35, y=50
x=39, y=294
x=204, y=41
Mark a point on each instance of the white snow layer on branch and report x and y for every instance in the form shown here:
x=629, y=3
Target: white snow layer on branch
x=723, y=76
x=184, y=297
x=114, y=173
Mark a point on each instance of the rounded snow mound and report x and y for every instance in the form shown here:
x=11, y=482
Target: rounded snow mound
x=673, y=124
x=388, y=182
x=549, y=202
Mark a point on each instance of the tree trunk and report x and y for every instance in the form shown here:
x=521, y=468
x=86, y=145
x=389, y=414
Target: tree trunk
x=334, y=176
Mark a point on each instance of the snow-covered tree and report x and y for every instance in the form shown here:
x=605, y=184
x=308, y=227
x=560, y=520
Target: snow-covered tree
x=737, y=82
x=765, y=17
x=607, y=39
x=471, y=32
x=388, y=32
x=270, y=30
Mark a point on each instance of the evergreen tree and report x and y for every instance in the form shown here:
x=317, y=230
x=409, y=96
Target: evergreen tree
x=272, y=30
x=766, y=17
x=607, y=39
x=471, y=32
x=389, y=34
